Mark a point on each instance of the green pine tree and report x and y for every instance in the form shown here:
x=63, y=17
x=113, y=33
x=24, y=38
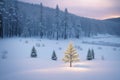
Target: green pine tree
x=71, y=55
x=89, y=55
x=93, y=54
x=54, y=57
x=33, y=53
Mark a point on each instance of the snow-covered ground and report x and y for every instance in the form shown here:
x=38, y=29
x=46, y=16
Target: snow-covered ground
x=16, y=63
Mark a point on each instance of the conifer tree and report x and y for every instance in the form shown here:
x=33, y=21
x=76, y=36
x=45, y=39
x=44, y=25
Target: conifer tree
x=41, y=21
x=65, y=23
x=70, y=55
x=89, y=55
x=57, y=22
x=1, y=18
x=33, y=53
x=54, y=57
x=93, y=55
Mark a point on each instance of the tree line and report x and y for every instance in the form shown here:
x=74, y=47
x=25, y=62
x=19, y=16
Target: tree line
x=15, y=23
x=18, y=20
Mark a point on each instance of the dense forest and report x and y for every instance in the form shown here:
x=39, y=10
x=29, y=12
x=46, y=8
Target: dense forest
x=18, y=19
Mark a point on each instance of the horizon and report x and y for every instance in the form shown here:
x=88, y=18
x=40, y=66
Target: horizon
x=98, y=9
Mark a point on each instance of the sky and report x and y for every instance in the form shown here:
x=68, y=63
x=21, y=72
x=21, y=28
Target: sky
x=97, y=9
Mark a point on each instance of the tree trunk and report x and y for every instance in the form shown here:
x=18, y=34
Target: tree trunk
x=70, y=63
x=57, y=36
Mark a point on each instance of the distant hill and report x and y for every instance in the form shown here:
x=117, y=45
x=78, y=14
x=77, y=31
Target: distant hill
x=88, y=25
x=37, y=20
x=114, y=19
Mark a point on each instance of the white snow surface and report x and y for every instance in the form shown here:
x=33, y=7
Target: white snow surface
x=18, y=65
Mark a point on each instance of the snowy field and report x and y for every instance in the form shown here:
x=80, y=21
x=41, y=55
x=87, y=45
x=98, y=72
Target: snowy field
x=16, y=63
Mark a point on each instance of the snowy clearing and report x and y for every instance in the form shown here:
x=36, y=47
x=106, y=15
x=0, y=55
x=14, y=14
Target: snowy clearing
x=16, y=63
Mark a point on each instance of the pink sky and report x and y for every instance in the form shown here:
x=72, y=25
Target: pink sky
x=98, y=9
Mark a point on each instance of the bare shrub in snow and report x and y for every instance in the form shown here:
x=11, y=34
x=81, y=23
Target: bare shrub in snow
x=99, y=47
x=4, y=55
x=37, y=44
x=78, y=47
x=43, y=45
x=114, y=49
x=60, y=48
x=26, y=42
x=57, y=43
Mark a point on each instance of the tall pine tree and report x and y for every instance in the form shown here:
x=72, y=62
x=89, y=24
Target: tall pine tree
x=65, y=23
x=93, y=54
x=57, y=23
x=41, y=21
x=1, y=17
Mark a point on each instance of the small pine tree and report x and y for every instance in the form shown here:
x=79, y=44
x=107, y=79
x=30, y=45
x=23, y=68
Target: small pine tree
x=71, y=55
x=89, y=55
x=93, y=55
x=54, y=57
x=33, y=53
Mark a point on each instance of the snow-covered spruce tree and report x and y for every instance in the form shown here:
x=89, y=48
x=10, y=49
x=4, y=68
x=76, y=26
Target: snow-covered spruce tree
x=71, y=55
x=65, y=23
x=25, y=32
x=8, y=11
x=78, y=31
x=1, y=27
x=13, y=18
x=33, y=53
x=16, y=20
x=57, y=22
x=93, y=54
x=1, y=18
x=89, y=55
x=54, y=57
x=41, y=21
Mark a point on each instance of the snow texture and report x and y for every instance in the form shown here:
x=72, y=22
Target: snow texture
x=16, y=63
